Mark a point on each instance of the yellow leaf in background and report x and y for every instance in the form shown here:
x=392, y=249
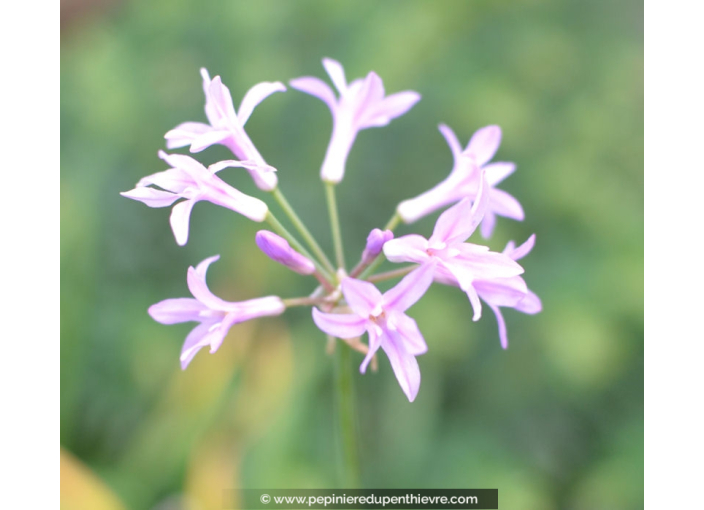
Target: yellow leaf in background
x=213, y=470
x=82, y=489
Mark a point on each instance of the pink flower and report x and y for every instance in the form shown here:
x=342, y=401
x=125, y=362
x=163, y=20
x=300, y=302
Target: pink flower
x=190, y=180
x=278, y=249
x=464, y=179
x=383, y=317
x=361, y=105
x=458, y=263
x=215, y=316
x=226, y=127
x=509, y=292
x=375, y=243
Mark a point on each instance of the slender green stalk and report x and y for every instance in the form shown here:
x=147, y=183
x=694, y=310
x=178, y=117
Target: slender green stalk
x=346, y=413
x=305, y=233
x=281, y=230
x=302, y=301
x=371, y=267
x=397, y=273
x=393, y=222
x=335, y=224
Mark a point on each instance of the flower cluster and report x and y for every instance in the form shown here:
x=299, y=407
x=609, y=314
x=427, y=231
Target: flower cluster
x=345, y=304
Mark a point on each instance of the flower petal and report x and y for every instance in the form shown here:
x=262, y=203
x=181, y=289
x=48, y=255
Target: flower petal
x=222, y=100
x=411, y=335
x=363, y=297
x=404, y=365
x=497, y=172
x=503, y=337
x=502, y=291
x=150, y=196
x=185, y=133
x=389, y=108
x=488, y=224
x=459, y=222
x=409, y=248
x=486, y=265
x=530, y=304
x=195, y=341
x=522, y=250
x=339, y=325
x=452, y=140
x=174, y=311
x=209, y=138
x=174, y=180
x=317, y=88
x=199, y=288
x=484, y=144
x=504, y=204
x=374, y=344
x=410, y=289
x=336, y=73
x=465, y=279
x=256, y=95
x=180, y=216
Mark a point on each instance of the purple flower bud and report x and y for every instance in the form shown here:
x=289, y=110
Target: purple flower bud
x=278, y=249
x=375, y=243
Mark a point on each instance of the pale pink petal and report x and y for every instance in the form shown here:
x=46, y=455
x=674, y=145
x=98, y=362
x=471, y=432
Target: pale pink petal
x=404, y=365
x=317, y=88
x=452, y=140
x=152, y=197
x=173, y=179
x=410, y=289
x=202, y=267
x=174, y=311
x=339, y=325
x=362, y=297
x=502, y=291
x=486, y=265
x=336, y=73
x=374, y=344
x=522, y=250
x=488, y=224
x=460, y=221
x=410, y=248
x=222, y=99
x=248, y=164
x=503, y=336
x=184, y=134
x=195, y=341
x=504, y=204
x=484, y=144
x=209, y=138
x=256, y=95
x=397, y=104
x=410, y=334
x=180, y=216
x=199, y=288
x=497, y=172
x=530, y=304
x=186, y=163
x=465, y=279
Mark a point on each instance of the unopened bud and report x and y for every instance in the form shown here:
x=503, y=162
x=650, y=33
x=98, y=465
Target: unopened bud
x=278, y=249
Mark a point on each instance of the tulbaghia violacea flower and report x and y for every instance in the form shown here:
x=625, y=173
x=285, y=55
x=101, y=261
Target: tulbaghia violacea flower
x=190, y=180
x=278, y=249
x=509, y=292
x=375, y=243
x=215, y=315
x=383, y=317
x=464, y=179
x=458, y=262
x=361, y=105
x=226, y=127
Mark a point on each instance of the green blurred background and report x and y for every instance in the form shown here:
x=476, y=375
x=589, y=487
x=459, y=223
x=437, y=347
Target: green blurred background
x=555, y=422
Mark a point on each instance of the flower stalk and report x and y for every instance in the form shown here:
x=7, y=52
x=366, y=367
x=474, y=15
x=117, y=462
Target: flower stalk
x=335, y=224
x=346, y=415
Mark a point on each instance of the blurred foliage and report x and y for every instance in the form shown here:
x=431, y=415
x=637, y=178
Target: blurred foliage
x=555, y=422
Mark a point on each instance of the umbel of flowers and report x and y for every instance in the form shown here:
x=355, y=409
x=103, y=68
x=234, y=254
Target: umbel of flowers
x=345, y=303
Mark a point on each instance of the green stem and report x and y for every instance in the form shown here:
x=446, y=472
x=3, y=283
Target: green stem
x=281, y=230
x=397, y=273
x=335, y=224
x=305, y=233
x=371, y=267
x=346, y=413
x=393, y=222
